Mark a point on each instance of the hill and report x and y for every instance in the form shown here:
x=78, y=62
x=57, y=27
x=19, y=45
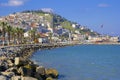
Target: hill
x=57, y=21
x=40, y=24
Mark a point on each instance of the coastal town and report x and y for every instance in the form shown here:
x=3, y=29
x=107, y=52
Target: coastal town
x=46, y=27
x=23, y=33
x=59, y=40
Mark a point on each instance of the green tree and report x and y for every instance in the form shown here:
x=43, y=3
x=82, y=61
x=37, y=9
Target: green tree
x=13, y=33
x=32, y=34
x=8, y=30
x=50, y=37
x=18, y=35
x=21, y=34
x=67, y=25
x=3, y=29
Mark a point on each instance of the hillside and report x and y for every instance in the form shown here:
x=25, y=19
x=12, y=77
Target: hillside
x=39, y=24
x=33, y=18
x=57, y=20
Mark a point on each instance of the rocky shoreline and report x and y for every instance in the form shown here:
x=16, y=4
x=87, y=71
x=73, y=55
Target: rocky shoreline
x=15, y=63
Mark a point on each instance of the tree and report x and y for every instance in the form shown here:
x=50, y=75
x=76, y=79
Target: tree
x=18, y=35
x=32, y=34
x=50, y=37
x=8, y=30
x=21, y=34
x=67, y=25
x=3, y=29
x=13, y=33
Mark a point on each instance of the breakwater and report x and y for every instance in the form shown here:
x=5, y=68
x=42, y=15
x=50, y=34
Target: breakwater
x=15, y=63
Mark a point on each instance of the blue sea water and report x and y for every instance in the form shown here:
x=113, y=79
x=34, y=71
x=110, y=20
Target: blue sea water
x=82, y=62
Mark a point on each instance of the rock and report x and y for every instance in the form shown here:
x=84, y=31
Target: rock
x=17, y=60
x=51, y=72
x=49, y=78
x=28, y=78
x=9, y=74
x=16, y=78
x=25, y=71
x=10, y=63
x=38, y=76
x=3, y=77
x=21, y=71
x=31, y=67
x=18, y=66
x=2, y=68
x=3, y=58
x=40, y=70
x=12, y=69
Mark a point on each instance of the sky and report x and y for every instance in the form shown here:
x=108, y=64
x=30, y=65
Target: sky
x=90, y=13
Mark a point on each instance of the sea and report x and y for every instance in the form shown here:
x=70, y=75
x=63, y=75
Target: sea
x=82, y=62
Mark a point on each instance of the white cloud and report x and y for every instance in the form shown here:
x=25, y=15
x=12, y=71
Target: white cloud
x=13, y=3
x=103, y=5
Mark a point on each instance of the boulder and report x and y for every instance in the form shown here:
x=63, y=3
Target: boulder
x=49, y=78
x=28, y=78
x=10, y=62
x=3, y=77
x=2, y=68
x=25, y=71
x=16, y=78
x=12, y=69
x=51, y=72
x=38, y=76
x=9, y=74
x=28, y=66
x=40, y=70
x=17, y=60
x=23, y=78
x=3, y=58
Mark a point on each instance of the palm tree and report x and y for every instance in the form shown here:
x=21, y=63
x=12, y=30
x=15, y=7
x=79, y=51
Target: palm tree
x=8, y=30
x=18, y=34
x=13, y=33
x=32, y=34
x=21, y=34
x=50, y=36
x=3, y=29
